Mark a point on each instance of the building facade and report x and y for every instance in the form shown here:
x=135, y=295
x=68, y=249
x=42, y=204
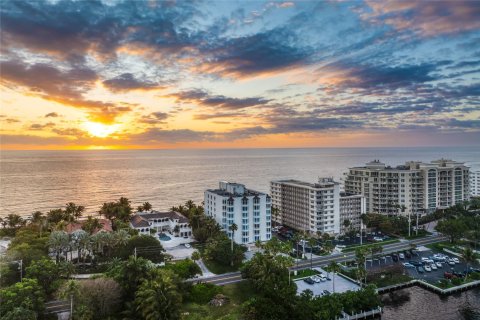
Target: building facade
x=310, y=207
x=161, y=222
x=415, y=187
x=249, y=210
x=352, y=206
x=475, y=183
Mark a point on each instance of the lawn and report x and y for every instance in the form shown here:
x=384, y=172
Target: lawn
x=305, y=273
x=237, y=292
x=366, y=246
x=218, y=268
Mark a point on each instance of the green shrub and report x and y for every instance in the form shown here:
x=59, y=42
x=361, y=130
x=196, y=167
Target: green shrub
x=457, y=281
x=202, y=293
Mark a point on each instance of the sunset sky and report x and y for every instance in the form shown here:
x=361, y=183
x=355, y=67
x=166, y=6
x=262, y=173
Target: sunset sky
x=194, y=74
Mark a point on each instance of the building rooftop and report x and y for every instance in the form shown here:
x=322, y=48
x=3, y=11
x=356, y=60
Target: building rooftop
x=322, y=183
x=232, y=189
x=74, y=226
x=141, y=219
x=409, y=165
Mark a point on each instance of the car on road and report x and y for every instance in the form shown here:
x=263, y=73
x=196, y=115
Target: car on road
x=439, y=264
x=309, y=281
x=427, y=268
x=433, y=266
x=401, y=256
x=187, y=245
x=420, y=270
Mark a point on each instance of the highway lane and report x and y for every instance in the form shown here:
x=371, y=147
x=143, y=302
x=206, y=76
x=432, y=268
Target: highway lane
x=233, y=277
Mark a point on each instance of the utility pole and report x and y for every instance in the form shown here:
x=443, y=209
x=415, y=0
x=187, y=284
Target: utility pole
x=71, y=306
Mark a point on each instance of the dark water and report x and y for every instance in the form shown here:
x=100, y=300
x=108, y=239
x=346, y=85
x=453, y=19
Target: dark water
x=42, y=180
x=417, y=303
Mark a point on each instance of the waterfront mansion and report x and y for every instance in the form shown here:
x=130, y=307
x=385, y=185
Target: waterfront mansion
x=171, y=221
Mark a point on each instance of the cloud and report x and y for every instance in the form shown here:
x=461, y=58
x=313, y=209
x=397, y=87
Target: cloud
x=126, y=82
x=158, y=135
x=218, y=115
x=52, y=115
x=206, y=99
x=38, y=126
x=155, y=118
x=426, y=18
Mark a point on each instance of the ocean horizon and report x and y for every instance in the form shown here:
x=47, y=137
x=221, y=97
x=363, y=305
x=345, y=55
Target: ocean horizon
x=47, y=179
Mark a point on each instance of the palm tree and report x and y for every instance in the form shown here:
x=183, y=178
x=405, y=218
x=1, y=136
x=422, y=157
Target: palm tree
x=311, y=242
x=196, y=255
x=14, y=220
x=58, y=242
x=158, y=298
x=334, y=267
x=140, y=209
x=470, y=257
x=275, y=214
x=233, y=227
x=147, y=206
x=77, y=241
x=91, y=225
x=176, y=229
x=3, y=222
x=296, y=238
x=73, y=212
x=121, y=237
x=361, y=261
x=36, y=216
x=189, y=204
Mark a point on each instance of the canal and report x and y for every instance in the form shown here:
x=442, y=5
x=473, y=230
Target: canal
x=417, y=303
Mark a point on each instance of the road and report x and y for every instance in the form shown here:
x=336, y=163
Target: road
x=233, y=277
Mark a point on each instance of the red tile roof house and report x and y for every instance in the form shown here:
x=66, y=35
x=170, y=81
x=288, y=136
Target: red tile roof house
x=161, y=222
x=74, y=226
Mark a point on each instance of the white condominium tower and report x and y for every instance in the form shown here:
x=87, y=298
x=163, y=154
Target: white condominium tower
x=249, y=210
x=415, y=187
x=475, y=183
x=310, y=207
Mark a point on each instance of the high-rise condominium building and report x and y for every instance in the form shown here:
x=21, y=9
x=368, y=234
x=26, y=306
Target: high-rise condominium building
x=314, y=207
x=474, y=183
x=415, y=187
x=352, y=206
x=249, y=210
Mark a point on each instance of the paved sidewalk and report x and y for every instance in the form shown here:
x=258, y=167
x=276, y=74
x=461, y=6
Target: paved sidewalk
x=205, y=271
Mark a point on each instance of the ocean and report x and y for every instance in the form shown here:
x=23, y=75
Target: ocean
x=44, y=180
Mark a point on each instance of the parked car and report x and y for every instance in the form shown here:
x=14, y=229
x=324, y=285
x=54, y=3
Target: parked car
x=408, y=265
x=401, y=256
x=428, y=261
x=322, y=277
x=439, y=264
x=328, y=278
x=433, y=266
x=415, y=263
x=407, y=254
x=448, y=275
x=187, y=245
x=451, y=262
x=377, y=239
x=326, y=292
x=420, y=270
x=395, y=257
x=309, y=281
x=456, y=260
x=458, y=274
x=425, y=258
x=427, y=268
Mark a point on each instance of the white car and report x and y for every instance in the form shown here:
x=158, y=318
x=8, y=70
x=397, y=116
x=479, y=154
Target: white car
x=451, y=262
x=187, y=245
x=433, y=266
x=439, y=264
x=401, y=256
x=456, y=260
x=322, y=278
x=408, y=265
x=427, y=268
x=425, y=259
x=315, y=278
x=378, y=239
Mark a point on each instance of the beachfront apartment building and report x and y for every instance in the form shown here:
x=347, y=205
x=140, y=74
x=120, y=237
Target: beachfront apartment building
x=310, y=207
x=249, y=210
x=352, y=206
x=157, y=221
x=475, y=183
x=415, y=187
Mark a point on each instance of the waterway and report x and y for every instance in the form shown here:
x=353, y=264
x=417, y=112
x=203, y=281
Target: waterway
x=417, y=303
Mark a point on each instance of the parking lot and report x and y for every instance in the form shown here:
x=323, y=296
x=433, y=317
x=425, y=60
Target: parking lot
x=430, y=276
x=341, y=284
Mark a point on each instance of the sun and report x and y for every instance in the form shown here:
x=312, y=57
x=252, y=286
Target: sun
x=100, y=130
